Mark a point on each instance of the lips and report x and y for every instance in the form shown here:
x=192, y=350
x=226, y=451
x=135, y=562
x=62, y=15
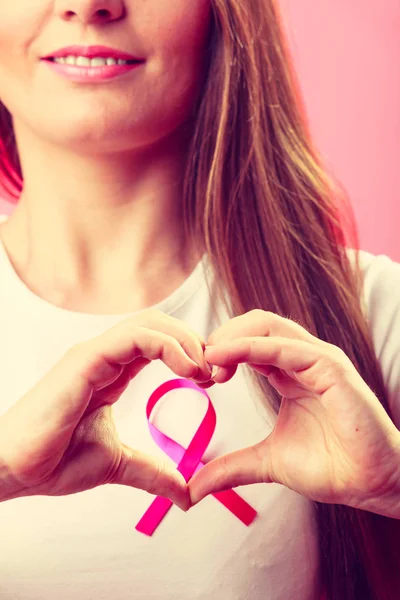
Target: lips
x=92, y=52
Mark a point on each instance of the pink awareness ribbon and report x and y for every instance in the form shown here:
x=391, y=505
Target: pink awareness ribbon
x=189, y=460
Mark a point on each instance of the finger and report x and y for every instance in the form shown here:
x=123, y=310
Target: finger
x=302, y=360
x=223, y=374
x=111, y=393
x=273, y=351
x=124, y=345
x=141, y=471
x=189, y=339
x=206, y=385
x=261, y=323
x=241, y=467
x=63, y=395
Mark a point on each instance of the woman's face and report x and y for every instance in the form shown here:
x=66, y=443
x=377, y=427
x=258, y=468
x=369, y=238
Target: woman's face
x=138, y=108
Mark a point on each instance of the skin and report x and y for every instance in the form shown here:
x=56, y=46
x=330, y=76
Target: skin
x=95, y=154
x=333, y=440
x=102, y=166
x=112, y=153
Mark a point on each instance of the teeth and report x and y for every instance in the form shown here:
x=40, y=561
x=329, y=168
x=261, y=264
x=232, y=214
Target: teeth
x=83, y=61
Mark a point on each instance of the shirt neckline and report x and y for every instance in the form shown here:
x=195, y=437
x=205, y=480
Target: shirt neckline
x=22, y=293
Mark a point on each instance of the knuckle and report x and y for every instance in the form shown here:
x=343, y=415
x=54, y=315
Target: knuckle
x=156, y=347
x=298, y=326
x=187, y=345
x=224, y=474
x=148, y=316
x=258, y=312
x=334, y=362
x=188, y=335
x=336, y=354
x=191, y=342
x=156, y=483
x=169, y=346
x=268, y=318
x=223, y=471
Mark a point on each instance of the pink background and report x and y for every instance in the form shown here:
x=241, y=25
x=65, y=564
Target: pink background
x=347, y=54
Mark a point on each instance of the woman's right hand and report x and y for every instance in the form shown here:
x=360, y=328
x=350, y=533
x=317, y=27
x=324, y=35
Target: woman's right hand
x=60, y=438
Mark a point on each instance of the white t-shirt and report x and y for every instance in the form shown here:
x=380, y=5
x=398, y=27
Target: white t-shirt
x=85, y=546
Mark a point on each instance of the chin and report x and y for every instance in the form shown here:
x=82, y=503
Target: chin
x=95, y=132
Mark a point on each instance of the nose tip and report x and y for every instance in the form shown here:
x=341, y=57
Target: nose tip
x=92, y=11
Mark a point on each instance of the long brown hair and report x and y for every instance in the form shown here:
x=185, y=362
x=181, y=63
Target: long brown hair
x=275, y=226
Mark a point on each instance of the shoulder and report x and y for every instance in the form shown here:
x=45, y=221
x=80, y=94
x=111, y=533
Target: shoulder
x=381, y=277
x=381, y=290
x=377, y=269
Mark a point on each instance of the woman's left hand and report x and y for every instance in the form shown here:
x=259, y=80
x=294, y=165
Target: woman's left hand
x=333, y=441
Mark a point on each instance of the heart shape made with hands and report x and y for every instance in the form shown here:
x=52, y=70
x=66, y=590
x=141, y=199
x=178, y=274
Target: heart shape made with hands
x=333, y=441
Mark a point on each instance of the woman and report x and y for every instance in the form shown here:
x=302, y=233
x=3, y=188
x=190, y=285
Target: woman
x=187, y=183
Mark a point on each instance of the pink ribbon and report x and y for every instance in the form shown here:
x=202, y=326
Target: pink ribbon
x=189, y=460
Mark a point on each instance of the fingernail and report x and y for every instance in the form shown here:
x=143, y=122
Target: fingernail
x=214, y=372
x=183, y=506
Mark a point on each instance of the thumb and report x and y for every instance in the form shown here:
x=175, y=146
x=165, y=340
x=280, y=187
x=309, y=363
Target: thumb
x=241, y=467
x=139, y=470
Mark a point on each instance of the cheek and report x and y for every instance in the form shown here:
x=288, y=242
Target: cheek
x=17, y=30
x=180, y=37
x=182, y=30
x=11, y=64
x=18, y=25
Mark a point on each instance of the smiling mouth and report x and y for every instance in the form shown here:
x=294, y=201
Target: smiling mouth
x=64, y=61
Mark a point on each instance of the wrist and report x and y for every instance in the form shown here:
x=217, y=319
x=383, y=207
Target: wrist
x=387, y=503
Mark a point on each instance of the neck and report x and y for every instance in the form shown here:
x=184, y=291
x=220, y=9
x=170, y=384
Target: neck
x=109, y=225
